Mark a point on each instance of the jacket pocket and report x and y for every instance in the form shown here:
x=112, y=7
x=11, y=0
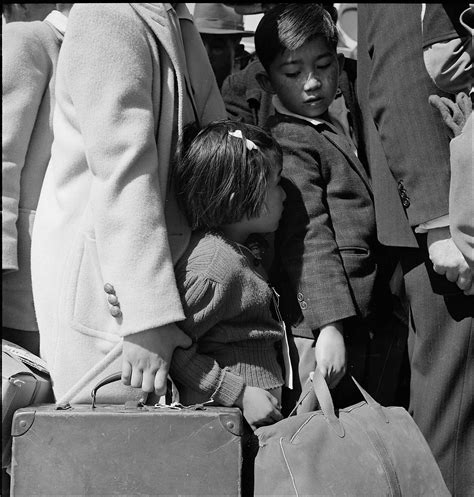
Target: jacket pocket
x=354, y=251
x=360, y=267
x=90, y=310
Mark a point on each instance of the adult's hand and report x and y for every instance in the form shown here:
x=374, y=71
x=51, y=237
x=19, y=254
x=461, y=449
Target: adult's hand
x=448, y=260
x=147, y=357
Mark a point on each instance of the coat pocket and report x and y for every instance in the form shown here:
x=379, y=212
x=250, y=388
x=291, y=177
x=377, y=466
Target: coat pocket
x=90, y=310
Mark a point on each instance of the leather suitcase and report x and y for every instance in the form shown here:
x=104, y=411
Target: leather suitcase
x=126, y=450
x=25, y=381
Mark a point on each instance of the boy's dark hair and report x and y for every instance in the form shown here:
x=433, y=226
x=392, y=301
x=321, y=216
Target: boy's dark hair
x=217, y=179
x=288, y=26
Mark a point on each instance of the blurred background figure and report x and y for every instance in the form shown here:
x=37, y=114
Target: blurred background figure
x=347, y=26
x=221, y=30
x=14, y=12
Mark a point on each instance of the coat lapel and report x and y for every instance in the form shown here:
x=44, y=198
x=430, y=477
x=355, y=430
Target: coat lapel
x=156, y=17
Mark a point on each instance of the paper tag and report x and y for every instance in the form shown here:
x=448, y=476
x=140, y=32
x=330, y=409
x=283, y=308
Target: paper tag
x=286, y=359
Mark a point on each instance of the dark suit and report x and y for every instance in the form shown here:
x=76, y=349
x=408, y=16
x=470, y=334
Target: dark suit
x=327, y=230
x=408, y=154
x=326, y=265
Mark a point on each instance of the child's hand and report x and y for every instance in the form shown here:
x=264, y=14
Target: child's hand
x=330, y=352
x=259, y=407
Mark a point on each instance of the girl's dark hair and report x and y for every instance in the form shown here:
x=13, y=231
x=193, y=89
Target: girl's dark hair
x=288, y=26
x=217, y=179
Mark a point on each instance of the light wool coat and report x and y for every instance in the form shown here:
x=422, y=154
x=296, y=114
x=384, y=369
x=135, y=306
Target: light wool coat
x=30, y=52
x=107, y=213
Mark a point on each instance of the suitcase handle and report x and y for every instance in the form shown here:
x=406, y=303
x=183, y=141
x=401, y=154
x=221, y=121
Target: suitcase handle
x=110, y=379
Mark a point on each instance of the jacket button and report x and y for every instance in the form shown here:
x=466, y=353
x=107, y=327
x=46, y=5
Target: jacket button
x=300, y=297
x=108, y=288
x=115, y=311
x=113, y=300
x=406, y=202
x=303, y=305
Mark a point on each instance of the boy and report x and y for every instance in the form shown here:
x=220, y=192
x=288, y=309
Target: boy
x=325, y=267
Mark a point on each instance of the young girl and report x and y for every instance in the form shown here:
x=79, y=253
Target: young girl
x=227, y=182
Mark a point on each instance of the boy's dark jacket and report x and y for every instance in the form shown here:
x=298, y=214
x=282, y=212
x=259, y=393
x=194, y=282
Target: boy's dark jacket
x=325, y=264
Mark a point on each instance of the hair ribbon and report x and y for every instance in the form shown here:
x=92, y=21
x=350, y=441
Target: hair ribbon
x=249, y=143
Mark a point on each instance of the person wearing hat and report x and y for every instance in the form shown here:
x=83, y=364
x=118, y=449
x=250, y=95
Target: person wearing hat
x=221, y=30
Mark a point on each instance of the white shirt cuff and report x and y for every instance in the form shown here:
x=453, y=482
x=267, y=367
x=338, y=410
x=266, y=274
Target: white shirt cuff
x=439, y=222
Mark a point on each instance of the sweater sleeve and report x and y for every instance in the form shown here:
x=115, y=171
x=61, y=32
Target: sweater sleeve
x=26, y=70
x=205, y=301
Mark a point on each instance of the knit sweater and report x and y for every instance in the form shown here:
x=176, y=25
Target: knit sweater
x=228, y=308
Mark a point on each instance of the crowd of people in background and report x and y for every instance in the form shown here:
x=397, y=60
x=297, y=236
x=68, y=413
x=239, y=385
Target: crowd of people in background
x=176, y=205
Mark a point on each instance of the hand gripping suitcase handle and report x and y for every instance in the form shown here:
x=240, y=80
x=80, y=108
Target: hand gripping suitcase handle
x=111, y=379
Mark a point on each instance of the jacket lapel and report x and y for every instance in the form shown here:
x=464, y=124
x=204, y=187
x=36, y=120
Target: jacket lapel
x=343, y=145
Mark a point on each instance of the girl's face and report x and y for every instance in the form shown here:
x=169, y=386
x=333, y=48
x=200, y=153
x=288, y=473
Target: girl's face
x=269, y=217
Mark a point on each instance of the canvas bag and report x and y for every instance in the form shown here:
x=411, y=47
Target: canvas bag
x=363, y=450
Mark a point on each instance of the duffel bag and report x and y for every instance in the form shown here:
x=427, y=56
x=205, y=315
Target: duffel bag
x=363, y=450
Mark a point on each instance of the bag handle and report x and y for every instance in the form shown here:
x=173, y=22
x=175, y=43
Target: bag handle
x=324, y=398
x=326, y=404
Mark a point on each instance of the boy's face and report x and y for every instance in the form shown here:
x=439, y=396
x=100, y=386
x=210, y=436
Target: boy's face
x=305, y=79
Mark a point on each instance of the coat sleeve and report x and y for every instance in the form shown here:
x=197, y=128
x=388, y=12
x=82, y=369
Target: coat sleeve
x=26, y=74
x=461, y=198
x=205, y=301
x=308, y=248
x=110, y=77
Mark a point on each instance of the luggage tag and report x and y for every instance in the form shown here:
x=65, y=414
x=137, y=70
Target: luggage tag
x=285, y=345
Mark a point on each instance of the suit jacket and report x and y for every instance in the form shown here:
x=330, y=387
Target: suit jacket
x=30, y=53
x=407, y=147
x=325, y=266
x=126, y=85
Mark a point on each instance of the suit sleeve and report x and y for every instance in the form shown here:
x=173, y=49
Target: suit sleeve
x=26, y=74
x=110, y=77
x=411, y=133
x=308, y=248
x=204, y=302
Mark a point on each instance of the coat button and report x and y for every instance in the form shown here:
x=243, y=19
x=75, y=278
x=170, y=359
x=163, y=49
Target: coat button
x=113, y=300
x=299, y=296
x=108, y=288
x=115, y=311
x=406, y=203
x=303, y=305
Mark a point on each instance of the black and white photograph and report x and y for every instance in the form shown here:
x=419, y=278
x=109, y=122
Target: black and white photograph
x=237, y=249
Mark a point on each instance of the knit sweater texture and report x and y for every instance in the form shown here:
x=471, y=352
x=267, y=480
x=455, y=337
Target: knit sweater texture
x=228, y=308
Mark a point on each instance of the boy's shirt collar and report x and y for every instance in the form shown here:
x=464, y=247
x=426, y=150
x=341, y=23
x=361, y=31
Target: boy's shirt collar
x=279, y=107
x=334, y=113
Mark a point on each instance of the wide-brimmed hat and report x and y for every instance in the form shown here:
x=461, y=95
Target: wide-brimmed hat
x=218, y=19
